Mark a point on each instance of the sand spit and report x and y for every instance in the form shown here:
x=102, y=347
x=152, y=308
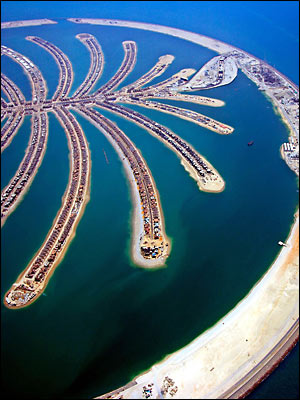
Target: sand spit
x=28, y=22
x=205, y=41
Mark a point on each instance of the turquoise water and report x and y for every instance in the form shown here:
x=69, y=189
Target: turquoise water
x=102, y=320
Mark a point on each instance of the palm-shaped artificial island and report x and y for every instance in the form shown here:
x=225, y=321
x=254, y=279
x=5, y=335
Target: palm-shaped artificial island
x=150, y=244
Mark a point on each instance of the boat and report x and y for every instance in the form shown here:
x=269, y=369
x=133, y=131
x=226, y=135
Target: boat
x=250, y=143
x=282, y=243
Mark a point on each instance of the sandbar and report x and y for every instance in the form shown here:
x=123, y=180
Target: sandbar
x=28, y=22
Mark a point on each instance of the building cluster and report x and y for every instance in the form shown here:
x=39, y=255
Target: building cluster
x=264, y=74
x=66, y=74
x=147, y=390
x=11, y=194
x=157, y=70
x=171, y=95
x=12, y=91
x=168, y=386
x=126, y=67
x=152, y=241
x=38, y=83
x=10, y=128
x=174, y=141
x=199, y=119
x=96, y=64
x=152, y=244
x=57, y=238
x=291, y=154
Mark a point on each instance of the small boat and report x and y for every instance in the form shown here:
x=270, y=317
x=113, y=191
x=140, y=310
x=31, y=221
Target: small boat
x=250, y=143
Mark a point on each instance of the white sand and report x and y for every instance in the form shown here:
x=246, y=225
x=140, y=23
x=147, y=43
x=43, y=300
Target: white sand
x=216, y=360
x=28, y=22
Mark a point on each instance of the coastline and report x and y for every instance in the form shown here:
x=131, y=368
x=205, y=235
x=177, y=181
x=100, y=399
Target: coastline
x=280, y=260
x=262, y=284
x=210, y=43
x=29, y=38
x=205, y=41
x=216, y=362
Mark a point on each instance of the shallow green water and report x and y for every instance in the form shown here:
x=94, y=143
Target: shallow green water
x=102, y=320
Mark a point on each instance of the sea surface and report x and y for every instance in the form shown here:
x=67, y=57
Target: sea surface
x=103, y=320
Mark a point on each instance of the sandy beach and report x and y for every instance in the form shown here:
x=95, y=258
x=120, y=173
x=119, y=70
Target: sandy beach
x=205, y=41
x=206, y=101
x=219, y=361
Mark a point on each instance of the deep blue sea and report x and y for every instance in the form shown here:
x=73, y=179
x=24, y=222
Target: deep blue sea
x=103, y=320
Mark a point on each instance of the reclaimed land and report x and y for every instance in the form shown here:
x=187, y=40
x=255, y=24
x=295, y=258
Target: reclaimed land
x=268, y=299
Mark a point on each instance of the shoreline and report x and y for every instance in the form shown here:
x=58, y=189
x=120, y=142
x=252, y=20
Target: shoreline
x=33, y=84
x=203, y=351
x=205, y=41
x=190, y=98
x=279, y=259
x=277, y=265
x=15, y=133
x=83, y=85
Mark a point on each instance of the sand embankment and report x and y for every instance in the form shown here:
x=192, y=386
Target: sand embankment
x=28, y=22
x=221, y=360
